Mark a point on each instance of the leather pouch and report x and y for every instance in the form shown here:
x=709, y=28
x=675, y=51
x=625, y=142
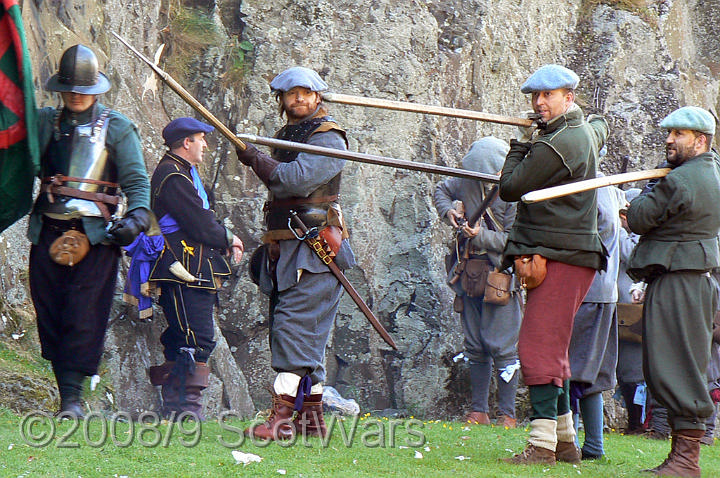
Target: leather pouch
x=531, y=270
x=630, y=322
x=474, y=277
x=70, y=248
x=498, y=288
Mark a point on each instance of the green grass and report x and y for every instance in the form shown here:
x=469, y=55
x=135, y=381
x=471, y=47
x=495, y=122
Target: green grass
x=158, y=451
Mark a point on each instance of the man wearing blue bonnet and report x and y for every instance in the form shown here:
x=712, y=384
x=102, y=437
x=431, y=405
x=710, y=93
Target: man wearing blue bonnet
x=678, y=221
x=304, y=294
x=563, y=148
x=188, y=269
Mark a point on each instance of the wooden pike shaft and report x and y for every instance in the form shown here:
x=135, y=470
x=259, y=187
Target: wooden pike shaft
x=276, y=143
x=369, y=158
x=189, y=99
x=427, y=109
x=595, y=183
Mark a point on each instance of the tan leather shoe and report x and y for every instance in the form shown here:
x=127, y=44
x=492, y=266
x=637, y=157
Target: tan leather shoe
x=506, y=422
x=568, y=452
x=532, y=455
x=477, y=418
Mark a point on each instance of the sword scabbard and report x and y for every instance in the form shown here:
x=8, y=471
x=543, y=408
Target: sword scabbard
x=315, y=243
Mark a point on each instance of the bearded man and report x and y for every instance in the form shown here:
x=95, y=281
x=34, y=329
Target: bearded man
x=304, y=294
x=678, y=221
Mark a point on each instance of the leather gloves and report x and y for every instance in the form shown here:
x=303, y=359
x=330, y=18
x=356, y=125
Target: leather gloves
x=525, y=133
x=124, y=231
x=261, y=163
x=519, y=146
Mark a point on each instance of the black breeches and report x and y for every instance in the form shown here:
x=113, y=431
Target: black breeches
x=72, y=303
x=190, y=321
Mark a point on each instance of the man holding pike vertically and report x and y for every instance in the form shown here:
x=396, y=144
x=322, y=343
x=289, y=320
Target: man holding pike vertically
x=304, y=294
x=678, y=220
x=563, y=231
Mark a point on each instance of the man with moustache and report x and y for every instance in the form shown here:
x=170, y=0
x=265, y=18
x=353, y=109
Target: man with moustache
x=304, y=294
x=194, y=238
x=678, y=221
x=564, y=232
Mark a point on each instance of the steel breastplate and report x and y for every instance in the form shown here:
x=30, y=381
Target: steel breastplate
x=81, y=153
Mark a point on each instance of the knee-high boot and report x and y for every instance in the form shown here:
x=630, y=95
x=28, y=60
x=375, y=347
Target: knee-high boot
x=160, y=375
x=194, y=385
x=70, y=385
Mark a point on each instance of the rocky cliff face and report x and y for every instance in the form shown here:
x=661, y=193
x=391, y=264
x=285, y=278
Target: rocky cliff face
x=637, y=61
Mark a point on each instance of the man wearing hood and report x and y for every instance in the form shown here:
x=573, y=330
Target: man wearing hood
x=491, y=331
x=304, y=294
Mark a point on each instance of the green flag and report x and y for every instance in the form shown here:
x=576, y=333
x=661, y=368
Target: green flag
x=19, y=156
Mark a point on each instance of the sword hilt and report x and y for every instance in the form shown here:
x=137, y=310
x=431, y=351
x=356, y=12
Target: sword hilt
x=311, y=233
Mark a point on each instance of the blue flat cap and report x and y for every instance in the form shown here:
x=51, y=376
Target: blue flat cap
x=181, y=128
x=550, y=77
x=298, y=76
x=692, y=118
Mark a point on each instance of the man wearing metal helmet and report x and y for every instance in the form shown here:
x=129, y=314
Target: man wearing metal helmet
x=563, y=234
x=678, y=221
x=304, y=295
x=88, y=153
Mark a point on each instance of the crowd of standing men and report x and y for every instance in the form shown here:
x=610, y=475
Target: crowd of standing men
x=571, y=257
x=557, y=266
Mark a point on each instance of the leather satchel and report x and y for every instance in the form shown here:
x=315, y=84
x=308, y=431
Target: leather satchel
x=498, y=288
x=473, y=277
x=630, y=322
x=531, y=270
x=70, y=248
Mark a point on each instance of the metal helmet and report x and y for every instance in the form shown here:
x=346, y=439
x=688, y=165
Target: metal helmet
x=78, y=73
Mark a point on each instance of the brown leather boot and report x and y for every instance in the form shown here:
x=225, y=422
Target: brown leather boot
x=194, y=385
x=532, y=455
x=477, y=418
x=568, y=452
x=684, y=457
x=170, y=391
x=279, y=425
x=506, y=421
x=310, y=421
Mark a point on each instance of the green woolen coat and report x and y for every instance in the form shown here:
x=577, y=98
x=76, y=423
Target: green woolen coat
x=678, y=221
